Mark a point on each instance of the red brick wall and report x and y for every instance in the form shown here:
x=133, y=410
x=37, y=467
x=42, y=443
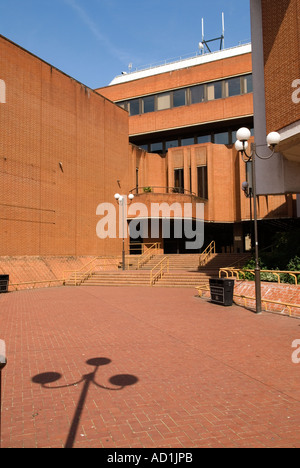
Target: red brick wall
x=287, y=293
x=281, y=33
x=284, y=293
x=62, y=149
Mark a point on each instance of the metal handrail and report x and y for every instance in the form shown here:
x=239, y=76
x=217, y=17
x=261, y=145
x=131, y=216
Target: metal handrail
x=83, y=275
x=238, y=271
x=148, y=254
x=16, y=285
x=160, y=273
x=210, y=249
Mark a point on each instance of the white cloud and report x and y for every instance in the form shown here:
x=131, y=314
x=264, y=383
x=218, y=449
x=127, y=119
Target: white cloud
x=95, y=30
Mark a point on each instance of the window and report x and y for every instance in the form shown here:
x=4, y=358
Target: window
x=190, y=95
x=202, y=182
x=233, y=87
x=163, y=101
x=179, y=98
x=148, y=104
x=247, y=84
x=214, y=90
x=178, y=181
x=171, y=144
x=134, y=107
x=221, y=138
x=204, y=139
x=156, y=147
x=187, y=141
x=123, y=104
x=197, y=94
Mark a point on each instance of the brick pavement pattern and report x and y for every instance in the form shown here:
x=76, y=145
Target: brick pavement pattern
x=141, y=367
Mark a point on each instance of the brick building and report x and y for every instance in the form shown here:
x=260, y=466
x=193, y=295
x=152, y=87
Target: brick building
x=166, y=135
x=276, y=68
x=62, y=149
x=183, y=117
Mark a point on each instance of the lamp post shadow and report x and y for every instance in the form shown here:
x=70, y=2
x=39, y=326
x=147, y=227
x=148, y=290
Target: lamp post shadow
x=120, y=381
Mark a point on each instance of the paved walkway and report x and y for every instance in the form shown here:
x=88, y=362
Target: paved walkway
x=142, y=367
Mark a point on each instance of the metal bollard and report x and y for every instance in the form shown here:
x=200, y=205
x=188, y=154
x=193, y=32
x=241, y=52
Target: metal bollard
x=3, y=362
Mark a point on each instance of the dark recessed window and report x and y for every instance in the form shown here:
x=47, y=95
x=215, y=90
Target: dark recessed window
x=197, y=94
x=156, y=147
x=233, y=87
x=134, y=107
x=148, y=104
x=178, y=181
x=204, y=139
x=202, y=182
x=179, y=98
x=187, y=141
x=221, y=138
x=171, y=144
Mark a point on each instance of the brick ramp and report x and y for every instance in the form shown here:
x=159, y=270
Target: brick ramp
x=26, y=269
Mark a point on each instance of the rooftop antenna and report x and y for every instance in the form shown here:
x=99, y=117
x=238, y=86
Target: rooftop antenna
x=205, y=43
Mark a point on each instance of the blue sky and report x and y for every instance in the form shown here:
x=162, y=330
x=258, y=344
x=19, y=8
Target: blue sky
x=95, y=40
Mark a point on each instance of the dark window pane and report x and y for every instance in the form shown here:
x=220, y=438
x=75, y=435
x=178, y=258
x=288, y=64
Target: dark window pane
x=197, y=94
x=171, y=144
x=202, y=182
x=178, y=181
x=218, y=90
x=187, y=141
x=134, y=106
x=234, y=86
x=204, y=139
x=222, y=138
x=148, y=103
x=179, y=98
x=156, y=147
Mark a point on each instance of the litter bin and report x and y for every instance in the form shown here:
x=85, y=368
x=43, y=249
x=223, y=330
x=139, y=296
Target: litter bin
x=221, y=291
x=4, y=280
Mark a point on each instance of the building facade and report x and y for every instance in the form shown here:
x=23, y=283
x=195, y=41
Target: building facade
x=166, y=135
x=184, y=116
x=276, y=66
x=62, y=150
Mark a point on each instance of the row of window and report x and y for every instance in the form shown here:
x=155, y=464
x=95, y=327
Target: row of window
x=220, y=138
x=202, y=188
x=191, y=95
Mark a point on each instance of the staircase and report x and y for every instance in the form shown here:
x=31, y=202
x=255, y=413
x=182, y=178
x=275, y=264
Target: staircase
x=184, y=271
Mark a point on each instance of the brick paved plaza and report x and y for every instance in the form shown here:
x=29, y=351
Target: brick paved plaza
x=154, y=368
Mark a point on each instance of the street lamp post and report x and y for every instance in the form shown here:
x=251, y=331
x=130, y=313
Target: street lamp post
x=3, y=363
x=241, y=145
x=121, y=199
